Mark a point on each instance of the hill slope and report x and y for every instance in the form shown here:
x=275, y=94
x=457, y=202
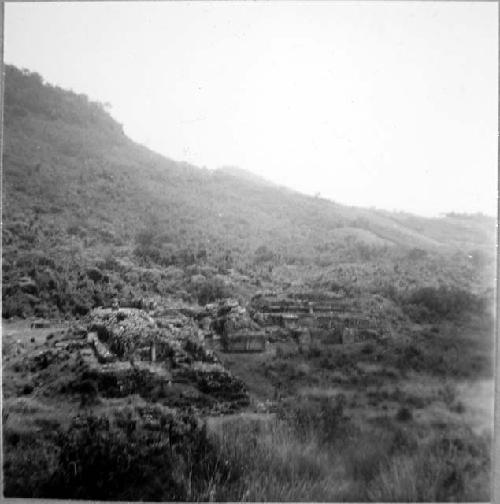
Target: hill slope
x=78, y=194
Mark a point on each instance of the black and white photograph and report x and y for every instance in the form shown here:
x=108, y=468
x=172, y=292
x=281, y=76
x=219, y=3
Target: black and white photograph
x=249, y=250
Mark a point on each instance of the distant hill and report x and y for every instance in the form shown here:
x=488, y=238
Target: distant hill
x=78, y=194
x=245, y=175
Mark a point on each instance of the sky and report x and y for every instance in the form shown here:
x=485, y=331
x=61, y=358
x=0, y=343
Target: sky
x=391, y=105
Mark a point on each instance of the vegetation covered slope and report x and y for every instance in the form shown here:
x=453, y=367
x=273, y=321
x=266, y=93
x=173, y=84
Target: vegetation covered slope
x=78, y=194
x=89, y=215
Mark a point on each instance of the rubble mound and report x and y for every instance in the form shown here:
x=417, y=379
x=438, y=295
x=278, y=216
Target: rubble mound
x=131, y=352
x=124, y=330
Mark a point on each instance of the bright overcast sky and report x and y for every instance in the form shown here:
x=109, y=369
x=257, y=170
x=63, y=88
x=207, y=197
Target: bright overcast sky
x=386, y=104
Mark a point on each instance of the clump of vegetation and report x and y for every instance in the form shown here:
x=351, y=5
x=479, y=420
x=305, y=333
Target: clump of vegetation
x=430, y=304
x=154, y=456
x=445, y=468
x=322, y=417
x=404, y=414
x=28, y=461
x=211, y=290
x=392, y=464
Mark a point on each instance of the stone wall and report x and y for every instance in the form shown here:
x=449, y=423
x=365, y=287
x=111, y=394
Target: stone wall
x=251, y=342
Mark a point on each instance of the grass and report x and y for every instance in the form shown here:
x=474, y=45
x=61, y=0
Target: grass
x=395, y=464
x=309, y=451
x=274, y=464
x=444, y=470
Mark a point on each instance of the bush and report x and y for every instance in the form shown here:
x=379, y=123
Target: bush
x=404, y=414
x=88, y=390
x=28, y=461
x=263, y=254
x=368, y=348
x=18, y=304
x=165, y=458
x=429, y=304
x=211, y=290
x=416, y=254
x=445, y=468
x=27, y=389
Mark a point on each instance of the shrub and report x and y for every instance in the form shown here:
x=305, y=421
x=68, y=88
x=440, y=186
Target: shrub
x=445, y=468
x=458, y=407
x=18, y=304
x=404, y=441
x=417, y=254
x=368, y=348
x=28, y=461
x=404, y=414
x=89, y=391
x=27, y=389
x=168, y=459
x=448, y=393
x=314, y=352
x=210, y=290
x=263, y=254
x=428, y=304
x=81, y=308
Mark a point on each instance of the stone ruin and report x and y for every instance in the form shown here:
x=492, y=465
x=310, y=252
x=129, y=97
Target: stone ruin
x=239, y=333
x=128, y=351
x=232, y=324
x=312, y=316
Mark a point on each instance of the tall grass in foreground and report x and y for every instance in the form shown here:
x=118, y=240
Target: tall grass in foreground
x=393, y=463
x=274, y=466
x=309, y=452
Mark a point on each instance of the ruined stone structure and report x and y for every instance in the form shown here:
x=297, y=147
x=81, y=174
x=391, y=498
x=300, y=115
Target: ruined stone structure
x=231, y=323
x=244, y=342
x=329, y=318
x=128, y=351
x=309, y=303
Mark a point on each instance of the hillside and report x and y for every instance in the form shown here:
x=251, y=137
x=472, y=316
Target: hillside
x=78, y=194
x=172, y=333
